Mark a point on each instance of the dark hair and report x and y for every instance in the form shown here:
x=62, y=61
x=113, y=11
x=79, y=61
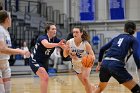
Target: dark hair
x=48, y=26
x=3, y=16
x=1, y=6
x=85, y=36
x=130, y=27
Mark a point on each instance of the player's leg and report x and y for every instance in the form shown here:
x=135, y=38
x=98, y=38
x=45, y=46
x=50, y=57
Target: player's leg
x=84, y=83
x=100, y=87
x=79, y=75
x=104, y=76
x=7, y=85
x=6, y=72
x=44, y=77
x=85, y=78
x=126, y=79
x=42, y=73
x=133, y=86
x=123, y=77
x=2, y=90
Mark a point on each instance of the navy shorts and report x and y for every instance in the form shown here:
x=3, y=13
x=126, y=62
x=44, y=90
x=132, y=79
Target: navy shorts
x=35, y=65
x=115, y=69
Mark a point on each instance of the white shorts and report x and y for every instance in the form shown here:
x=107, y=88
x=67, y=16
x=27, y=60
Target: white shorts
x=77, y=66
x=5, y=71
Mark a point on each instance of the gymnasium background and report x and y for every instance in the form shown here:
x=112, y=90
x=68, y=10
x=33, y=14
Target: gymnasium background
x=100, y=18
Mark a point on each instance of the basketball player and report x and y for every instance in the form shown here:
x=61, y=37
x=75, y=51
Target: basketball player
x=113, y=65
x=78, y=47
x=43, y=49
x=6, y=51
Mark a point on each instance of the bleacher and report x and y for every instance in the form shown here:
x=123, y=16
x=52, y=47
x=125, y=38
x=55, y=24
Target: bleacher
x=30, y=19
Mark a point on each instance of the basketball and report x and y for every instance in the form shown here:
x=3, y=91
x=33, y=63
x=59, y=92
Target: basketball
x=87, y=61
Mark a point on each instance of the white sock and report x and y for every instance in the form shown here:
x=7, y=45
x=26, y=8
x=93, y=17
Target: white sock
x=7, y=86
x=2, y=90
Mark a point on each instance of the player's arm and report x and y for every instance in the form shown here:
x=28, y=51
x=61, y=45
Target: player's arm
x=66, y=50
x=47, y=44
x=51, y=45
x=5, y=50
x=136, y=55
x=101, y=53
x=89, y=50
x=103, y=49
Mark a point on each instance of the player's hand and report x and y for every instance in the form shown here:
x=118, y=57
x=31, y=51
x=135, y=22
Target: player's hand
x=67, y=48
x=98, y=68
x=62, y=44
x=24, y=52
x=27, y=54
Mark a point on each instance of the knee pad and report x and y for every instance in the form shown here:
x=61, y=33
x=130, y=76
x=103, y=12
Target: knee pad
x=136, y=89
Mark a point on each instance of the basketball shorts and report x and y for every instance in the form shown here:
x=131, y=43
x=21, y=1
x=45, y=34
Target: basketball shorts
x=77, y=66
x=36, y=64
x=115, y=69
x=5, y=71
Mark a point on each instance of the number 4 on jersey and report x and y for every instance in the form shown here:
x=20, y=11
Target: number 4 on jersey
x=120, y=41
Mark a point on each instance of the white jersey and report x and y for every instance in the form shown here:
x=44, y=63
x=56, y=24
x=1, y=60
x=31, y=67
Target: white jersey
x=80, y=52
x=5, y=37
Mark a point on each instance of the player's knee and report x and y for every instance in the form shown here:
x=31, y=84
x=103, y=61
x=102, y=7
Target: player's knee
x=136, y=89
x=85, y=79
x=1, y=81
x=6, y=79
x=42, y=74
x=7, y=86
x=44, y=77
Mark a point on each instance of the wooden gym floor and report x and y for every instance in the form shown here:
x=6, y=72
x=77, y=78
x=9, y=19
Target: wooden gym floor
x=63, y=83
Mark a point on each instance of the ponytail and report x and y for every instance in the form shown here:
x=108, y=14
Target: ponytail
x=130, y=31
x=85, y=36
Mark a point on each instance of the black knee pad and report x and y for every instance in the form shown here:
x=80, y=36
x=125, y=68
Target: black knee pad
x=136, y=89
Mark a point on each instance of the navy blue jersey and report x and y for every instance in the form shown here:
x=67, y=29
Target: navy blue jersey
x=40, y=53
x=119, y=48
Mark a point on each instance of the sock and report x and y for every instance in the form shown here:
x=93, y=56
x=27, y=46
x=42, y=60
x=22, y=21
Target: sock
x=2, y=90
x=7, y=86
x=135, y=89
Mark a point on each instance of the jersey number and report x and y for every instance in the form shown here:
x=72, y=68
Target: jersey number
x=120, y=41
x=79, y=55
x=47, y=52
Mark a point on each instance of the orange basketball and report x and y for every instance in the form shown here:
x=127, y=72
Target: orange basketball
x=87, y=61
